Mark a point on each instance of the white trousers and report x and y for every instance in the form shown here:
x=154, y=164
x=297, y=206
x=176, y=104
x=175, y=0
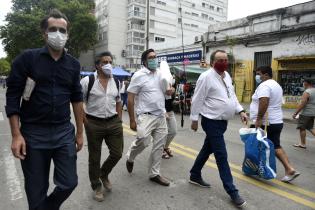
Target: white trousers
x=149, y=127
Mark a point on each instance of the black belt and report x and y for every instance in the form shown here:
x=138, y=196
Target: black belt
x=101, y=119
x=148, y=113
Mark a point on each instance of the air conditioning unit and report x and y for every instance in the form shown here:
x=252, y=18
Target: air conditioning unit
x=142, y=22
x=197, y=39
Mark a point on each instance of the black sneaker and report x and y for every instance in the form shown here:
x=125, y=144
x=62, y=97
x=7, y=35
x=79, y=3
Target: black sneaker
x=199, y=182
x=239, y=201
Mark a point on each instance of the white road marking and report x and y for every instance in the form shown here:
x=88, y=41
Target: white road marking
x=1, y=116
x=13, y=181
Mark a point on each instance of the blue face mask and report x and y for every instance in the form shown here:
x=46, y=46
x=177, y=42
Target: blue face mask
x=152, y=64
x=258, y=79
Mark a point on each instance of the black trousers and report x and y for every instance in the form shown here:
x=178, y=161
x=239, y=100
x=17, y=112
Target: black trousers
x=36, y=167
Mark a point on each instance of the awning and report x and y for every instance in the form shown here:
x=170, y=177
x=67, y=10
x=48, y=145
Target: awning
x=117, y=71
x=192, y=73
x=188, y=69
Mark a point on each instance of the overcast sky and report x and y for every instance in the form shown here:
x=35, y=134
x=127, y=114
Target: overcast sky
x=236, y=9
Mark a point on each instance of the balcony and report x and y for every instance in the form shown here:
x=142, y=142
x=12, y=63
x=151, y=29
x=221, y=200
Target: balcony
x=135, y=41
x=143, y=2
x=136, y=27
x=137, y=15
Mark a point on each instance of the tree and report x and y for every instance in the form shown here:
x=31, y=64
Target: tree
x=4, y=66
x=22, y=30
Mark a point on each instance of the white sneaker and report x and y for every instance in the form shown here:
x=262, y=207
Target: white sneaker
x=289, y=178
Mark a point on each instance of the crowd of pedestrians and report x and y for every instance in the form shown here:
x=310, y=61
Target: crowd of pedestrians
x=42, y=131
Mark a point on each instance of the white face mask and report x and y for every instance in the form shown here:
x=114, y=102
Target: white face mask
x=107, y=69
x=57, y=40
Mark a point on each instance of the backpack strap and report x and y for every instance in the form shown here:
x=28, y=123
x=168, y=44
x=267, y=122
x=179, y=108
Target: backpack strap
x=117, y=84
x=90, y=85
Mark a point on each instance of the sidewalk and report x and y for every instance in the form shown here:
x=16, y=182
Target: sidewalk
x=287, y=113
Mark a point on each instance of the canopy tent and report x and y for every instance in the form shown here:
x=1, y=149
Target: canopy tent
x=192, y=73
x=119, y=72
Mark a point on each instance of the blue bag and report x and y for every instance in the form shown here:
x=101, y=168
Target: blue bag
x=260, y=157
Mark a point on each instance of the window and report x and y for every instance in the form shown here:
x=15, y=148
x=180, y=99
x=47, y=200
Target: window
x=195, y=14
x=159, y=39
x=151, y=23
x=219, y=9
x=204, y=16
x=179, y=20
x=187, y=13
x=179, y=9
x=194, y=26
x=211, y=7
x=161, y=3
x=186, y=24
x=211, y=18
x=152, y=11
x=203, y=4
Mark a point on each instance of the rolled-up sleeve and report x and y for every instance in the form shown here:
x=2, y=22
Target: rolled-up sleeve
x=76, y=95
x=16, y=84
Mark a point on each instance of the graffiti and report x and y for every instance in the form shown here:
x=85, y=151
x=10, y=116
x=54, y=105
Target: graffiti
x=306, y=39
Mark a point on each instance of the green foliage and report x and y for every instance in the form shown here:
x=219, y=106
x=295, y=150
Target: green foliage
x=4, y=66
x=22, y=30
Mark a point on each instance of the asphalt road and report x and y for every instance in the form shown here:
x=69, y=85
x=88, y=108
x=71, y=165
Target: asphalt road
x=135, y=191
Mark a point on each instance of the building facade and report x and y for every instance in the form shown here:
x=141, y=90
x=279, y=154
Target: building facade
x=282, y=38
x=123, y=26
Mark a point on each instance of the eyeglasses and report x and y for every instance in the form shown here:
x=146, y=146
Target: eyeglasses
x=55, y=29
x=106, y=62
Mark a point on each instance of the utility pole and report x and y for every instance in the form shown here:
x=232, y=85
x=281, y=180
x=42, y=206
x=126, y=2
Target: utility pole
x=183, y=97
x=148, y=24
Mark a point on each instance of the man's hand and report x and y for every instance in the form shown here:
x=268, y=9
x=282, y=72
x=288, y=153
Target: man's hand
x=18, y=147
x=170, y=91
x=133, y=125
x=294, y=116
x=194, y=125
x=244, y=117
x=79, y=141
x=258, y=123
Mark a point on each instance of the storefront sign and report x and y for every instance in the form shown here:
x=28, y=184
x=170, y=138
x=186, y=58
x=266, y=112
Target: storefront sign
x=291, y=100
x=193, y=56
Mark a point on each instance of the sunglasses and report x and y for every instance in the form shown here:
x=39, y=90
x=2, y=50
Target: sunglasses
x=55, y=29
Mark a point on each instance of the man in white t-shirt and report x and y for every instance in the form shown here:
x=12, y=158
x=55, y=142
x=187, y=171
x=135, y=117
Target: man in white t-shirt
x=268, y=98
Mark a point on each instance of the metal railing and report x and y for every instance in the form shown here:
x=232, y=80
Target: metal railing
x=136, y=14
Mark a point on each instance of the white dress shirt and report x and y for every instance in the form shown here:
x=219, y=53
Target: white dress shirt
x=149, y=95
x=101, y=102
x=213, y=99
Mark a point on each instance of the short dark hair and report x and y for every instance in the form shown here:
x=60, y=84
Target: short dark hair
x=212, y=56
x=54, y=13
x=308, y=80
x=99, y=56
x=145, y=55
x=265, y=70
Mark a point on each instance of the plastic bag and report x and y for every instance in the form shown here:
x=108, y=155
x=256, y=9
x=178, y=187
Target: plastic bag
x=165, y=76
x=260, y=157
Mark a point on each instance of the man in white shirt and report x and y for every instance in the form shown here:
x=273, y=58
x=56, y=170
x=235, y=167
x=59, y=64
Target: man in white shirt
x=215, y=100
x=146, y=92
x=102, y=122
x=268, y=98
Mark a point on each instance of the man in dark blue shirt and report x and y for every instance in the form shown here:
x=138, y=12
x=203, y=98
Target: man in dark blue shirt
x=45, y=132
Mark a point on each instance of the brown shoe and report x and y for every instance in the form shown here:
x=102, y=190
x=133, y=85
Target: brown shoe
x=160, y=180
x=129, y=166
x=107, y=185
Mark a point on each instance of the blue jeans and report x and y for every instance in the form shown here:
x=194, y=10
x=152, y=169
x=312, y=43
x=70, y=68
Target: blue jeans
x=36, y=167
x=214, y=143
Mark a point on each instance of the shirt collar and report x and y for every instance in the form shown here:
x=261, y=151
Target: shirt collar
x=218, y=75
x=44, y=50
